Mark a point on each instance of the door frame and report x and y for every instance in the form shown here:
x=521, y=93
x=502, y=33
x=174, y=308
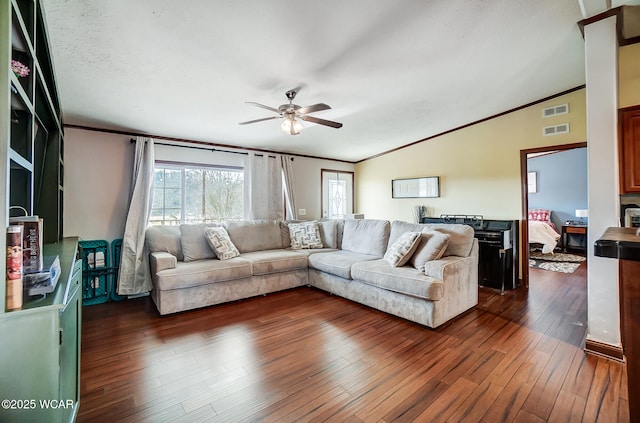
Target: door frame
x=353, y=188
x=524, y=239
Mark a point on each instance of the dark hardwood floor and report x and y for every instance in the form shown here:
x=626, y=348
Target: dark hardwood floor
x=304, y=355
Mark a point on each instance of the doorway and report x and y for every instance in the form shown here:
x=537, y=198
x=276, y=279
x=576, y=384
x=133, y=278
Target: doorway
x=337, y=193
x=531, y=181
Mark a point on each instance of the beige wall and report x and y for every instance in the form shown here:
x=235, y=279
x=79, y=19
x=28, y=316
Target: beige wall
x=629, y=75
x=98, y=177
x=307, y=183
x=478, y=166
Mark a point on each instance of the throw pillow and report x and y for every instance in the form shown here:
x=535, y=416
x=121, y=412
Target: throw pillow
x=401, y=250
x=305, y=235
x=432, y=246
x=219, y=240
x=541, y=215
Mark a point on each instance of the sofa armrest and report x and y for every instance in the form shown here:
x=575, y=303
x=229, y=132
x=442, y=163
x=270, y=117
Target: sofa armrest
x=161, y=260
x=438, y=268
x=460, y=281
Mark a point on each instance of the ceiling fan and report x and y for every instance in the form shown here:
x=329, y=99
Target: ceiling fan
x=292, y=113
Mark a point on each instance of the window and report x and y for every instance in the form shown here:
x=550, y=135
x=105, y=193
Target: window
x=194, y=193
x=337, y=193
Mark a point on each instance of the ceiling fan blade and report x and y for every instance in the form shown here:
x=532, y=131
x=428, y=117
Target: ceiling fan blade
x=258, y=120
x=321, y=121
x=313, y=108
x=264, y=107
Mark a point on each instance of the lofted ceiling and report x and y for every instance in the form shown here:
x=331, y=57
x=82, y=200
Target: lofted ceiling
x=394, y=72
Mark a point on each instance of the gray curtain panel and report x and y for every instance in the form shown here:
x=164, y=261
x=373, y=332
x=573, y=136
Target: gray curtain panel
x=134, y=277
x=289, y=188
x=263, y=187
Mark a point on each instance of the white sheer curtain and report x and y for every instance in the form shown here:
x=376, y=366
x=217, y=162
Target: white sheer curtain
x=287, y=176
x=263, y=187
x=135, y=277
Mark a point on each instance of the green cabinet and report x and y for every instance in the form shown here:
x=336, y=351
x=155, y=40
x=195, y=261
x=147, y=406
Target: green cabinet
x=40, y=353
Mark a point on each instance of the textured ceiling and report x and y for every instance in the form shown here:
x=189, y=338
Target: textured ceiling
x=394, y=72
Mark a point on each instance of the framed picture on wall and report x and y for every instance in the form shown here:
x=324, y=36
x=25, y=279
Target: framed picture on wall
x=532, y=182
x=428, y=187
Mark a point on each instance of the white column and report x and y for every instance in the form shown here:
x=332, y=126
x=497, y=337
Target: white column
x=601, y=53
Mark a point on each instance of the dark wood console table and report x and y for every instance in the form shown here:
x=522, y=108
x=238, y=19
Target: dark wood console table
x=623, y=244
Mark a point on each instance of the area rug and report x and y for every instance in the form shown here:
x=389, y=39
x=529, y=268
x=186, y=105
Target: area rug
x=558, y=262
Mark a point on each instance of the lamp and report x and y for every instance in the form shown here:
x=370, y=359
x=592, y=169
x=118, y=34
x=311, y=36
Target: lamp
x=291, y=126
x=582, y=213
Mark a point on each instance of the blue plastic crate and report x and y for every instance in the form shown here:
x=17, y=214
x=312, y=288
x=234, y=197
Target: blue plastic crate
x=95, y=287
x=96, y=271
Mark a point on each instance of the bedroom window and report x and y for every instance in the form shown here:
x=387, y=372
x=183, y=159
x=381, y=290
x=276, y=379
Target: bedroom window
x=196, y=193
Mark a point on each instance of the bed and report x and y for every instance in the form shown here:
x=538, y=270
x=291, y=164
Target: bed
x=542, y=230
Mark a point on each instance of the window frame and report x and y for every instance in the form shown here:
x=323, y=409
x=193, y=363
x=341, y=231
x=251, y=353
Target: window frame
x=183, y=167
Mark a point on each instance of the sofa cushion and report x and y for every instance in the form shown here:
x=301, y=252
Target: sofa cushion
x=461, y=239
x=340, y=230
x=274, y=261
x=329, y=233
x=164, y=239
x=219, y=241
x=255, y=235
x=338, y=263
x=399, y=227
x=366, y=236
x=432, y=246
x=311, y=251
x=194, y=244
x=202, y=272
x=405, y=280
x=305, y=235
x=402, y=249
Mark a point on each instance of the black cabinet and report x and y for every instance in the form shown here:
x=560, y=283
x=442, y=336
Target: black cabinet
x=497, y=248
x=495, y=267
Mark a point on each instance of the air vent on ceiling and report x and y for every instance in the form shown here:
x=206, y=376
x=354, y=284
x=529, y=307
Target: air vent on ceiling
x=563, y=128
x=560, y=109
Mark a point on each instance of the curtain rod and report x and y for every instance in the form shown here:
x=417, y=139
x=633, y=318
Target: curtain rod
x=209, y=149
x=196, y=147
x=161, y=137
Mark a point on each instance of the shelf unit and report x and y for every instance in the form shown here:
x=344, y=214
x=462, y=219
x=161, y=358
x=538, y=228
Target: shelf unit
x=43, y=362
x=31, y=120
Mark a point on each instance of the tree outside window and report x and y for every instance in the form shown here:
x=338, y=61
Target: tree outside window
x=191, y=194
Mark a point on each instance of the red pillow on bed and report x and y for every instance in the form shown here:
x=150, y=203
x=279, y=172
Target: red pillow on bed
x=541, y=215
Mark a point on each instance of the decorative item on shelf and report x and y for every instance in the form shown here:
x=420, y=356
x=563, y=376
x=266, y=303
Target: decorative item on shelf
x=32, y=239
x=419, y=212
x=14, y=267
x=582, y=214
x=19, y=69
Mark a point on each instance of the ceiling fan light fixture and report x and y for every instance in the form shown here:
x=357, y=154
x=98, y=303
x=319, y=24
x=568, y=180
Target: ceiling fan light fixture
x=291, y=126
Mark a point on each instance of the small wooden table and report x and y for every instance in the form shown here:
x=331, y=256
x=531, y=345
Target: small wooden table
x=571, y=228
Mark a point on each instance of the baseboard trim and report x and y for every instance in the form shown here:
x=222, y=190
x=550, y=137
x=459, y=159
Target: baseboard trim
x=601, y=349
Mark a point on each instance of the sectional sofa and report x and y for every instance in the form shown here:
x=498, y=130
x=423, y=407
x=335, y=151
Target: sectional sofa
x=426, y=273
